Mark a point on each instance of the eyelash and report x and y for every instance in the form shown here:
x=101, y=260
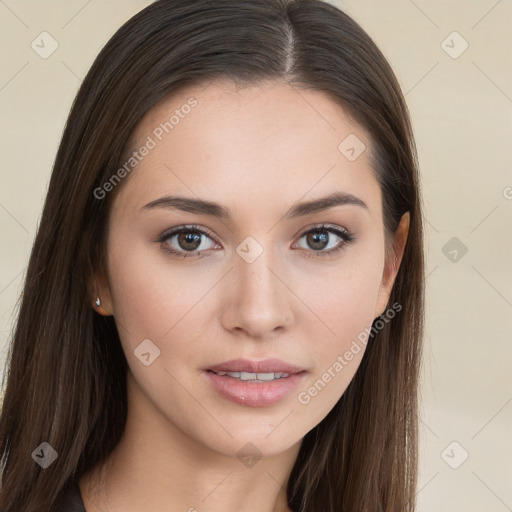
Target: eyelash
x=346, y=236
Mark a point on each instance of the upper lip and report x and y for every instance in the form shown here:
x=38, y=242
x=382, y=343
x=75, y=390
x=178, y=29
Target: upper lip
x=265, y=366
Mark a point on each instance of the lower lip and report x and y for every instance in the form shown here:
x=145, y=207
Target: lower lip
x=254, y=394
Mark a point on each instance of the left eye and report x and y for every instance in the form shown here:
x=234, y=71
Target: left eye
x=320, y=239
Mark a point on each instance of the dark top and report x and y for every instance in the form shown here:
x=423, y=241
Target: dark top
x=71, y=500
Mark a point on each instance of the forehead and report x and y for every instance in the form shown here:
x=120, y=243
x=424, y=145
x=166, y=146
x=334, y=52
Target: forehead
x=272, y=140
x=261, y=111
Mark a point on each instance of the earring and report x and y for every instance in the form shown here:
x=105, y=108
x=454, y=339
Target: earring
x=98, y=302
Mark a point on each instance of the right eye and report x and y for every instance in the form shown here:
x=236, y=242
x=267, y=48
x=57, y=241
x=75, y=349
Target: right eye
x=187, y=241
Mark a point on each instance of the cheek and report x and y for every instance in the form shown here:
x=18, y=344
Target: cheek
x=337, y=333
x=154, y=300
x=149, y=294
x=353, y=300
x=343, y=296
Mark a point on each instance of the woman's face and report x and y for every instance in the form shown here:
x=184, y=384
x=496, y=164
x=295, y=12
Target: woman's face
x=252, y=283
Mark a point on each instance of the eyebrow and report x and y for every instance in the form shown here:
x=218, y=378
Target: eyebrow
x=200, y=206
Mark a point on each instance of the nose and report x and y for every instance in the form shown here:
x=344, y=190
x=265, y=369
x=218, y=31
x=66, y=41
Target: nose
x=258, y=298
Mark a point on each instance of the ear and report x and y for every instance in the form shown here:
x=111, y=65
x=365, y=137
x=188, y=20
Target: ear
x=392, y=264
x=101, y=289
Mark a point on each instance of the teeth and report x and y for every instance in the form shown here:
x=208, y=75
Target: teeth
x=267, y=376
x=255, y=376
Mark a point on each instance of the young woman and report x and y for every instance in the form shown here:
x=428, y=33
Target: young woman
x=223, y=308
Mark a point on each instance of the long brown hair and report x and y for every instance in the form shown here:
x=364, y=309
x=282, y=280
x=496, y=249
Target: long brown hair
x=66, y=370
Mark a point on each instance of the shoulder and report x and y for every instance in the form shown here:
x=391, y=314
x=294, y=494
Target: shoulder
x=70, y=500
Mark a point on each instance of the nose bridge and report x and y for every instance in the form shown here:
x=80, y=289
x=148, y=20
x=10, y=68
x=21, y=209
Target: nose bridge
x=260, y=302
x=258, y=276
x=255, y=269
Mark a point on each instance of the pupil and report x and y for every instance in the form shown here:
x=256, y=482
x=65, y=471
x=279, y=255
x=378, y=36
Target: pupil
x=318, y=238
x=187, y=238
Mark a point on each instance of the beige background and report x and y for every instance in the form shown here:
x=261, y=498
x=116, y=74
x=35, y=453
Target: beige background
x=462, y=115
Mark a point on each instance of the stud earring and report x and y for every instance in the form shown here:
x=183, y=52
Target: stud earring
x=98, y=302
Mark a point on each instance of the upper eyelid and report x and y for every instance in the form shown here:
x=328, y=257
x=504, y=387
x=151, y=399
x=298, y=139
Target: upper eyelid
x=177, y=229
x=323, y=226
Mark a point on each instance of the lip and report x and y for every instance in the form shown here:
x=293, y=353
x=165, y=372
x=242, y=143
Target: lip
x=246, y=365
x=254, y=394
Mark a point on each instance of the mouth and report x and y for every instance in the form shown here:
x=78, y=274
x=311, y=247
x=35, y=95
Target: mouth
x=253, y=377
x=267, y=369
x=254, y=383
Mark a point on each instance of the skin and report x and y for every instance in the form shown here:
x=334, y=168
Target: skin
x=257, y=150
